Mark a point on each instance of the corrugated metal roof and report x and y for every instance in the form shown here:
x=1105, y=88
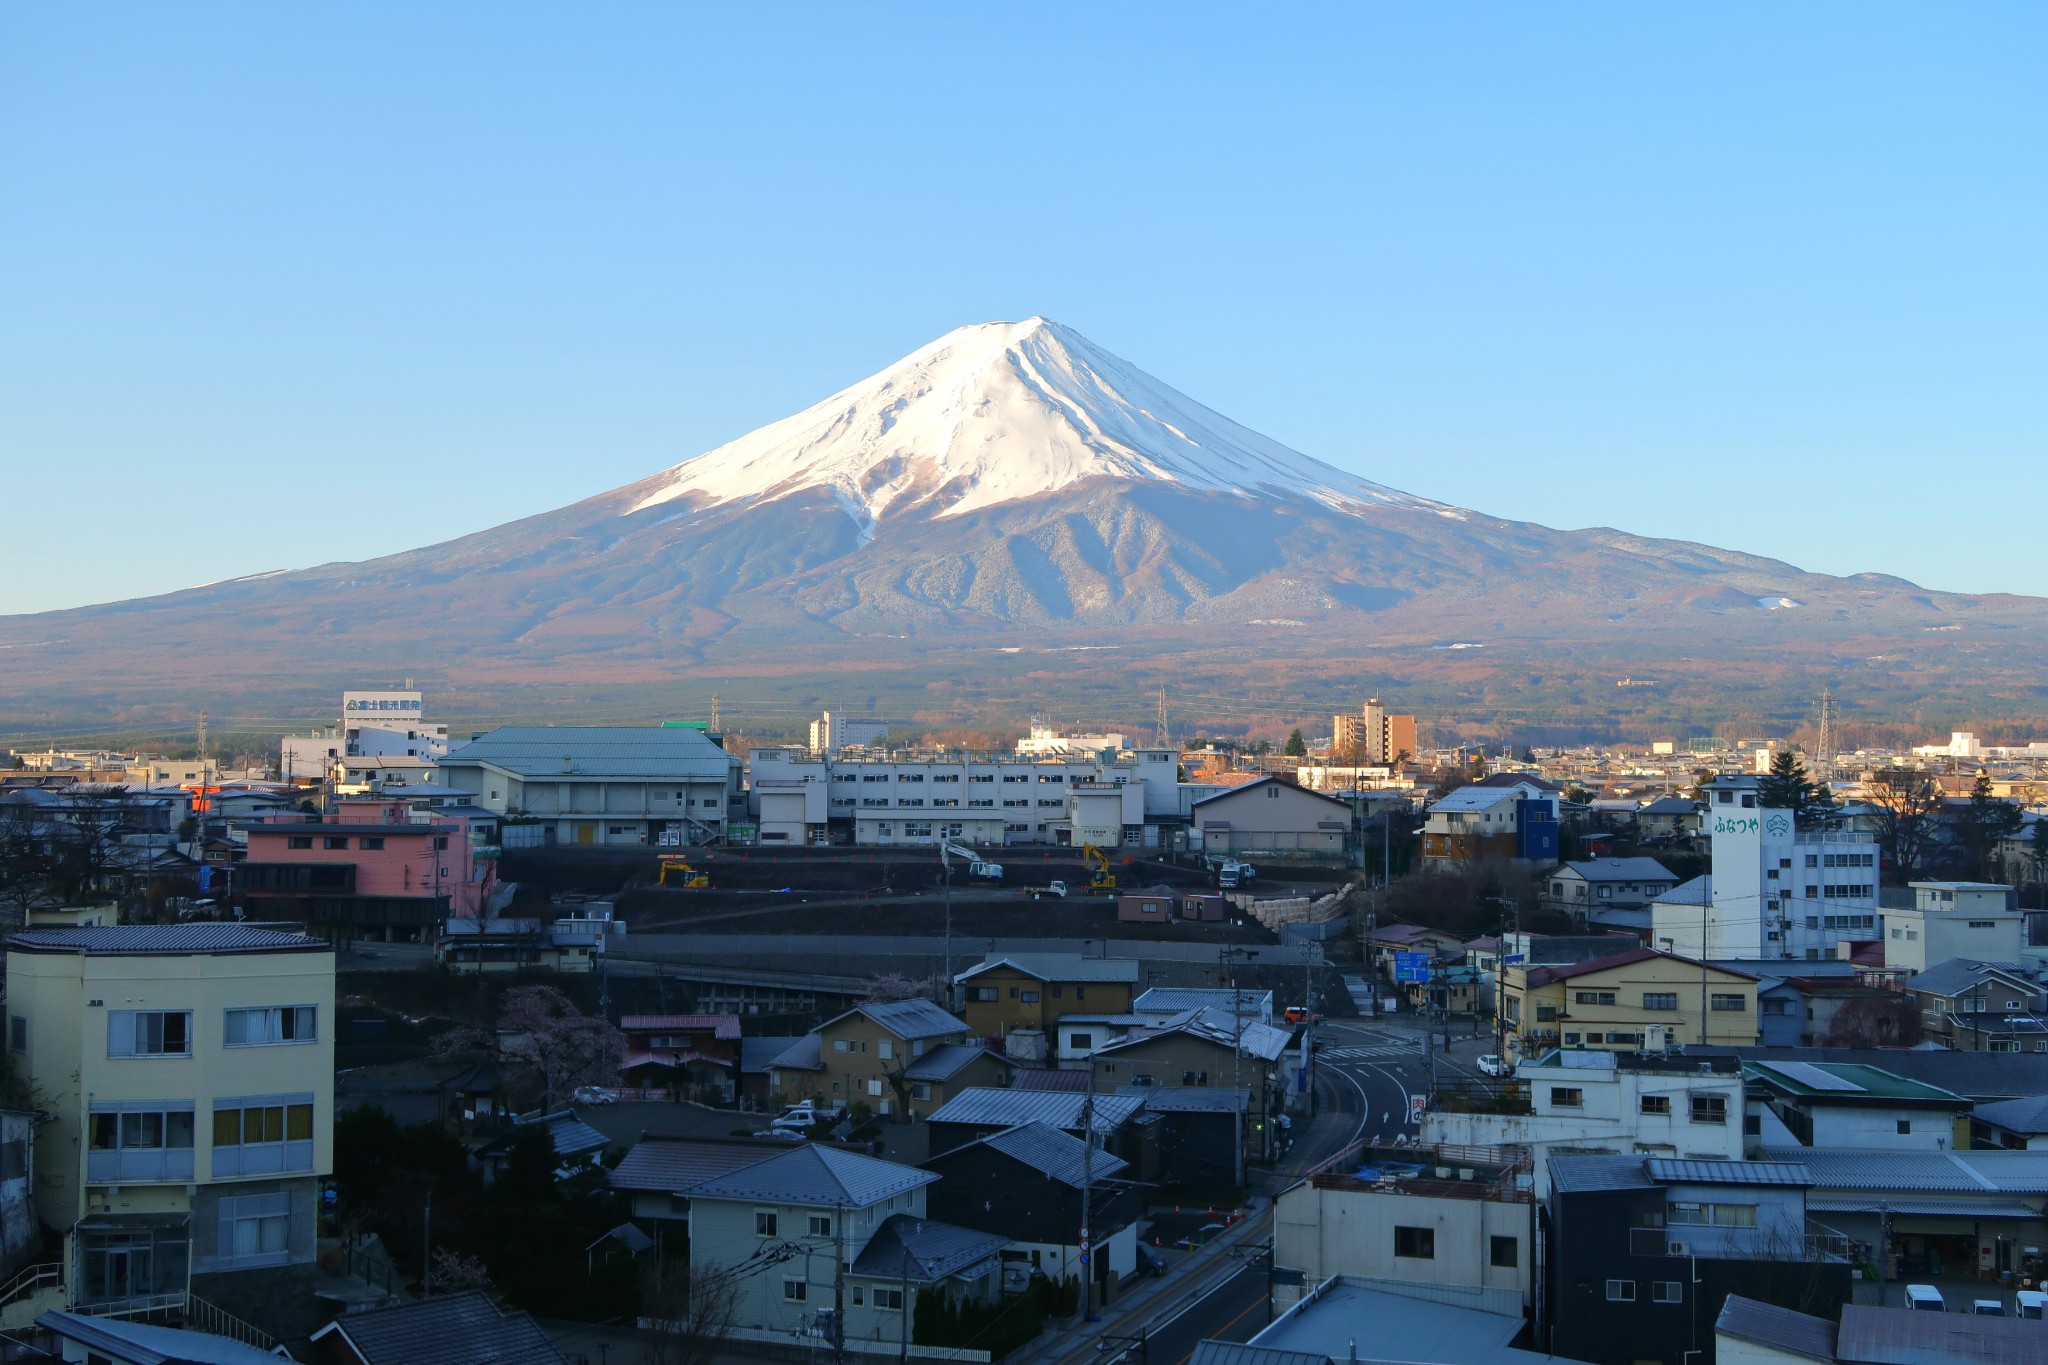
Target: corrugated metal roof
x=1174, y=999
x=758, y=1054
x=945, y=1061
x=142, y=1341
x=1582, y=1174
x=822, y=1177
x=452, y=1329
x=671, y=1165
x=984, y=1106
x=1475, y=799
x=725, y=1025
x=1936, y=1172
x=924, y=1250
x=912, y=1019
x=2029, y=1116
x=1695, y=1172
x=1620, y=870
x=1050, y=1152
x=1920, y=1208
x=1190, y=1099
x=537, y=751
x=804, y=1054
x=1902, y=1336
x=1061, y=967
x=1845, y=1080
x=1234, y=1353
x=1781, y=1329
x=152, y=940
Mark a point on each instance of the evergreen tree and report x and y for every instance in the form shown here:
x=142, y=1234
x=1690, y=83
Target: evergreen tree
x=1990, y=821
x=1789, y=787
x=1297, y=747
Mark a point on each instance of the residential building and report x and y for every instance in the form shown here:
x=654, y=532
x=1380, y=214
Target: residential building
x=1845, y=1104
x=1752, y=1333
x=1586, y=888
x=832, y=732
x=2011, y=1125
x=187, y=1072
x=449, y=1329
x=1668, y=817
x=1626, y=1002
x=1343, y=1321
x=586, y=785
x=1641, y=1249
x=96, y=1340
x=372, y=725
x=1025, y=1184
x=656, y=1172
x=851, y=1242
x=1974, y=920
x=867, y=1054
x=1270, y=817
x=1194, y=1134
x=575, y=942
x=689, y=1054
x=1016, y=1000
x=1389, y=942
x=374, y=869
x=1373, y=736
x=1461, y=1216
x=925, y=797
x=1981, y=1006
x=1776, y=890
x=1162, y=1001
x=1514, y=824
x=1595, y=1102
x=1204, y=1048
x=976, y=1113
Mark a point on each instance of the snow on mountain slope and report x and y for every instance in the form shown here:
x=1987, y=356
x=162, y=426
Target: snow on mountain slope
x=993, y=413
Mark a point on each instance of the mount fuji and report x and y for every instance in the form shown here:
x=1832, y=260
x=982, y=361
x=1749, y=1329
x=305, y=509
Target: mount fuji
x=1013, y=488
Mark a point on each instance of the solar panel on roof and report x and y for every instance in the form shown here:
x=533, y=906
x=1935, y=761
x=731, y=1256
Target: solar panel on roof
x=1806, y=1073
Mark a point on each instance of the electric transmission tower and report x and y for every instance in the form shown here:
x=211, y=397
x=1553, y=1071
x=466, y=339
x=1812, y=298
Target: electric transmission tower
x=1824, y=747
x=1159, y=729
x=717, y=723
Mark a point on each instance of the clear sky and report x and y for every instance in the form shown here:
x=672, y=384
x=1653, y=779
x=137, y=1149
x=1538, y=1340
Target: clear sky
x=283, y=284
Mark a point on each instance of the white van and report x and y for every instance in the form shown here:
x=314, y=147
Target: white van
x=2032, y=1304
x=1926, y=1298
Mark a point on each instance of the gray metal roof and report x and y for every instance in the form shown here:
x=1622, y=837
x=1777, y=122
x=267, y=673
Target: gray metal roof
x=757, y=1054
x=1694, y=1172
x=1958, y=974
x=985, y=1106
x=818, y=1176
x=1781, y=1329
x=912, y=1019
x=1050, y=1152
x=1174, y=999
x=946, y=1061
x=541, y=751
x=1620, y=870
x=2029, y=1116
x=671, y=1165
x=1934, y=1172
x=168, y=940
x=1235, y=1353
x=145, y=1343
x=452, y=1329
x=924, y=1251
x=805, y=1054
x=1190, y=1099
x=1060, y=967
x=1973, y=1075
x=1920, y=1208
x=1901, y=1336
x=1583, y=1174
x=1698, y=891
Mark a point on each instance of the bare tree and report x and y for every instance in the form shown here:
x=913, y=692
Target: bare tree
x=541, y=1028
x=895, y=986
x=456, y=1272
x=25, y=861
x=687, y=1316
x=1908, y=804
x=1875, y=1019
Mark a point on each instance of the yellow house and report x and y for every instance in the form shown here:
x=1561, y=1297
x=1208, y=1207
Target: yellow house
x=1620, y=1003
x=898, y=1057
x=1032, y=992
x=188, y=1071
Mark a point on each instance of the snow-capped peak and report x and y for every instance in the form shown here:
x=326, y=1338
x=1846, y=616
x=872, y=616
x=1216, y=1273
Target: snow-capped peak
x=995, y=412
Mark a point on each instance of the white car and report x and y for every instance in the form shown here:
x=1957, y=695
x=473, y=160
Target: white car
x=1493, y=1065
x=594, y=1094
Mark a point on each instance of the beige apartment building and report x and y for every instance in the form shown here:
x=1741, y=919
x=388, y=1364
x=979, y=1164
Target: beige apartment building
x=188, y=1071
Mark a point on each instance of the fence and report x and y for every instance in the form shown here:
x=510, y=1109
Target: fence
x=854, y=1345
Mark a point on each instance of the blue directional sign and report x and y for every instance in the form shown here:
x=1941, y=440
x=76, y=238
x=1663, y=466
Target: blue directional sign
x=1411, y=966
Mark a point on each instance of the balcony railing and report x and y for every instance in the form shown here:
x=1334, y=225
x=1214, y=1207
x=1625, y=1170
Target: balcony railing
x=1482, y=1095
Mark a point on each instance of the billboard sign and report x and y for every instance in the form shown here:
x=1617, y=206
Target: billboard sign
x=1411, y=966
x=380, y=706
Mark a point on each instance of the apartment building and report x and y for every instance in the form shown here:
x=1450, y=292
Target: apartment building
x=1373, y=736
x=1513, y=823
x=1627, y=1002
x=373, y=868
x=188, y=1074
x=1972, y=920
x=1109, y=799
x=1030, y=993
x=372, y=725
x=588, y=785
x=1776, y=890
x=897, y=1057
x=835, y=730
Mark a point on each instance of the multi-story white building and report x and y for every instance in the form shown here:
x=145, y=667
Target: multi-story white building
x=1970, y=920
x=1776, y=891
x=666, y=785
x=1046, y=738
x=833, y=731
x=976, y=798
x=373, y=725
x=188, y=1074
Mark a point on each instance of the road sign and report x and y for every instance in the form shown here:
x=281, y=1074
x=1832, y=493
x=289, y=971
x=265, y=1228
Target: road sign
x=1513, y=958
x=1411, y=966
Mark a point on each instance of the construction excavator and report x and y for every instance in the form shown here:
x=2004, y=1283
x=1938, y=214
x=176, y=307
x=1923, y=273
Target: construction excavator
x=1100, y=878
x=675, y=866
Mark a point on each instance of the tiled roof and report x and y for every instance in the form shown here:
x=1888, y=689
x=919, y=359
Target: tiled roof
x=726, y=1026
x=924, y=1251
x=1621, y=870
x=1927, y=1172
x=1174, y=999
x=1902, y=1336
x=1696, y=1172
x=670, y=1165
x=945, y=1061
x=546, y=751
x=1780, y=1329
x=757, y=1054
x=822, y=1177
x=984, y=1106
x=1578, y=1174
x=1050, y=1152
x=805, y=1054
x=454, y=1329
x=912, y=1019
x=2029, y=1116
x=1062, y=967
x=153, y=940
x=147, y=1344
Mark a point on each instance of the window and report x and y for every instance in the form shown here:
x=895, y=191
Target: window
x=17, y=1033
x=1545, y=1014
x=860, y=1296
x=262, y=1135
x=335, y=841
x=886, y=1050
x=1595, y=997
x=1666, y=1291
x=146, y=1140
x=1567, y=1097
x=1624, y=1291
x=889, y=1299
x=1505, y=1253
x=841, y=1045
x=920, y=1090
x=272, y=1024
x=1081, y=1040
x=1734, y=1215
x=255, y=1229
x=299, y=841
x=795, y=1291
x=1905, y=1126
x=149, y=1033
x=1709, y=1108
x=1655, y=1104
x=1030, y=997
x=982, y=995
x=1419, y=1243
x=821, y=1225
x=1660, y=1000
x=764, y=1222
x=370, y=842
x=1729, y=1002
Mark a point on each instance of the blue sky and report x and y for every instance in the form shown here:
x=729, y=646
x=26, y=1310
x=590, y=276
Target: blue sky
x=287, y=284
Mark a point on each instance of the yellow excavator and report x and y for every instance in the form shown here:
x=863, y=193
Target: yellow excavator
x=686, y=877
x=1100, y=878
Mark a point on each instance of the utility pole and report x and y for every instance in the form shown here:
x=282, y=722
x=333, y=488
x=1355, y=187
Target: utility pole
x=427, y=1249
x=1088, y=1193
x=1500, y=1023
x=1224, y=956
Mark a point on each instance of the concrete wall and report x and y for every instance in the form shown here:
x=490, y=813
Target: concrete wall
x=1325, y=1232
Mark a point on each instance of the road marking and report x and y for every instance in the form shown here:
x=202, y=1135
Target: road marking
x=1255, y=1303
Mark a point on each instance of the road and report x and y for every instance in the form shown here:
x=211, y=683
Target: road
x=1367, y=1076
x=1235, y=1310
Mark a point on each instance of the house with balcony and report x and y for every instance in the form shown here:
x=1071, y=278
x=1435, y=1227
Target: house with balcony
x=1615, y=891
x=1515, y=823
x=1642, y=1249
x=697, y=1054
x=1628, y=1002
x=375, y=869
x=187, y=1071
x=887, y=1055
x=1016, y=1000
x=1981, y=1006
x=1595, y=1102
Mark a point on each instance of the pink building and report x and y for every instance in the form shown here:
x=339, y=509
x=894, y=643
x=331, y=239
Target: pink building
x=371, y=869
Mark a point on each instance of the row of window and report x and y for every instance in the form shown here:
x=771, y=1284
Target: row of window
x=1419, y=1244
x=947, y=777
x=1705, y=1108
x=1652, y=1000
x=1661, y=1291
x=366, y=842
x=168, y=1033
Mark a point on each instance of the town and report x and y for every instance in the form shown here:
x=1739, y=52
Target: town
x=660, y=1042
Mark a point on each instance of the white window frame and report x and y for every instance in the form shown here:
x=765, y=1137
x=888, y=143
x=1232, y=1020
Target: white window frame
x=273, y=1022
x=125, y=1030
